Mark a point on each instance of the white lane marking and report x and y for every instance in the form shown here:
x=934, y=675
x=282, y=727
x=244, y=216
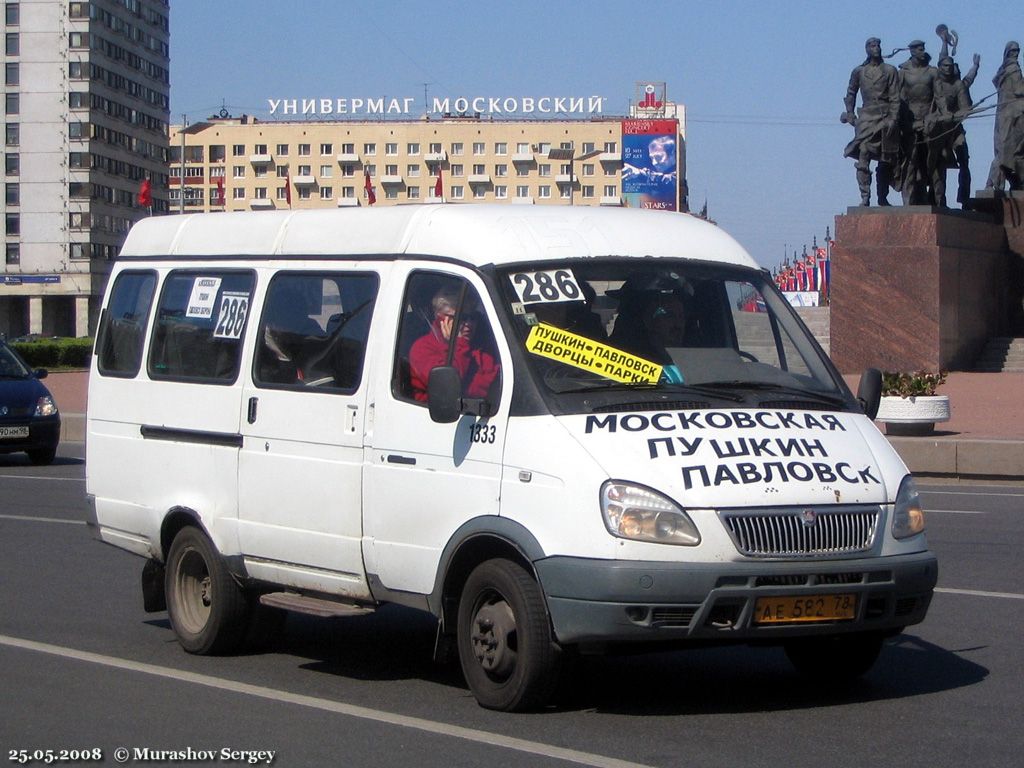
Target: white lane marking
x=348, y=710
x=979, y=593
x=31, y=519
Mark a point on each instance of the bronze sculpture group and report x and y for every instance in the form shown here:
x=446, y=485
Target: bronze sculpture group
x=910, y=123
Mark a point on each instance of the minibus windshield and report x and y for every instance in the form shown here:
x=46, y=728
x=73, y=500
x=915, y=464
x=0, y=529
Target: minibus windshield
x=622, y=330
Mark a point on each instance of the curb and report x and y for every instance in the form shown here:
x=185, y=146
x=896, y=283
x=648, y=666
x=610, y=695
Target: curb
x=926, y=457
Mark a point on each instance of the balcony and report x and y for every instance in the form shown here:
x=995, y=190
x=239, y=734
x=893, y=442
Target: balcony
x=261, y=203
x=305, y=180
x=521, y=201
x=479, y=178
x=611, y=200
x=391, y=180
x=522, y=157
x=348, y=202
x=563, y=178
x=435, y=157
x=610, y=157
x=347, y=157
x=264, y=159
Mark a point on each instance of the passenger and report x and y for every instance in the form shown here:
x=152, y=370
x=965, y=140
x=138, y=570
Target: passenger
x=477, y=367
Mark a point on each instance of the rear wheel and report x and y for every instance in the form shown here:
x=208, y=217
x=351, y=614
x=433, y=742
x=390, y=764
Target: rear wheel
x=505, y=647
x=208, y=610
x=838, y=658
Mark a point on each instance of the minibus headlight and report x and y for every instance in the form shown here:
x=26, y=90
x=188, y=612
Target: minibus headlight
x=45, y=406
x=634, y=512
x=908, y=516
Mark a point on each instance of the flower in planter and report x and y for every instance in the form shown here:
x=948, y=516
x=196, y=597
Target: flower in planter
x=916, y=384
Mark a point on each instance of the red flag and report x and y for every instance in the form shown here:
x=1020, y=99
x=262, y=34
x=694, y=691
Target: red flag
x=439, y=184
x=220, y=191
x=371, y=198
x=145, y=194
x=288, y=189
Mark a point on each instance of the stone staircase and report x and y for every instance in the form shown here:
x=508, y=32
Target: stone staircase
x=1001, y=354
x=817, y=320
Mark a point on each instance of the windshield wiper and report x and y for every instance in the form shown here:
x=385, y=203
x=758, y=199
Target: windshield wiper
x=783, y=388
x=618, y=386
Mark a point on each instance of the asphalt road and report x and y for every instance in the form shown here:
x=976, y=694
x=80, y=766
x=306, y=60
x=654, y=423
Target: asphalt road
x=84, y=668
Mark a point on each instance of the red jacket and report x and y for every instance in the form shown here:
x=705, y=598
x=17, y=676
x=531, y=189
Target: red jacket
x=477, y=368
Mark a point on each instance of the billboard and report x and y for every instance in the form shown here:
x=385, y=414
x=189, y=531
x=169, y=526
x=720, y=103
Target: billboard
x=650, y=164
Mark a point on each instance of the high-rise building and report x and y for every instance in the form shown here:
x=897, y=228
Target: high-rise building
x=86, y=110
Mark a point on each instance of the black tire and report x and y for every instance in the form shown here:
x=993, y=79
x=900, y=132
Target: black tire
x=41, y=456
x=836, y=658
x=505, y=646
x=209, y=612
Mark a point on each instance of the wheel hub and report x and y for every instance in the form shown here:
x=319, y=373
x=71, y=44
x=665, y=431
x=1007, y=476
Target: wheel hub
x=494, y=638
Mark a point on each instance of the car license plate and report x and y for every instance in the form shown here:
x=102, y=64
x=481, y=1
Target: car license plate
x=805, y=608
x=11, y=433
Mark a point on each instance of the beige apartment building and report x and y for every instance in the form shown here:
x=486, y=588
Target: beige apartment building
x=235, y=164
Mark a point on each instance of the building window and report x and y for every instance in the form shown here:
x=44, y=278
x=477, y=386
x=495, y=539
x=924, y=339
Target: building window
x=78, y=100
x=305, y=170
x=13, y=224
x=500, y=148
x=544, y=191
x=348, y=170
x=217, y=153
x=12, y=164
x=588, y=147
x=326, y=171
x=12, y=103
x=260, y=149
x=456, y=192
x=326, y=149
x=348, y=149
x=501, y=170
x=413, y=193
x=413, y=148
x=565, y=190
x=13, y=194
x=238, y=193
x=12, y=14
x=435, y=148
x=391, y=148
x=238, y=150
x=457, y=148
x=303, y=193
x=522, y=191
x=610, y=190
x=370, y=148
x=282, y=193
x=390, y=170
x=326, y=193
x=260, y=171
x=456, y=169
x=78, y=220
x=260, y=193
x=282, y=150
x=544, y=169
x=478, y=147
x=78, y=40
x=521, y=169
x=348, y=192
x=371, y=170
x=13, y=253
x=12, y=73
x=479, y=193
x=78, y=10
x=11, y=44
x=479, y=169
x=12, y=133
x=304, y=150
x=588, y=190
x=238, y=171
x=282, y=171
x=523, y=148
x=501, y=192
x=390, y=193
x=413, y=169
x=588, y=169
x=610, y=146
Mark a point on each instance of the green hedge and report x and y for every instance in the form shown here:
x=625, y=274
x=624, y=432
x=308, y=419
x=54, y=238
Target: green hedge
x=55, y=353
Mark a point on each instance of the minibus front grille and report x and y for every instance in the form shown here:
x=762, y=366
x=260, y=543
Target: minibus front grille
x=803, y=532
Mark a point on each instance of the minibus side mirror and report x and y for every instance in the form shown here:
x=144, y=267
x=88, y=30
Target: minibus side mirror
x=869, y=392
x=444, y=394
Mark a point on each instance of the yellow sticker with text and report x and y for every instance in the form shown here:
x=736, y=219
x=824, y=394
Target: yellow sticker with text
x=589, y=355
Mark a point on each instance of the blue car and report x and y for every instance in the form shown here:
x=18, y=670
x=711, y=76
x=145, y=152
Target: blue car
x=29, y=420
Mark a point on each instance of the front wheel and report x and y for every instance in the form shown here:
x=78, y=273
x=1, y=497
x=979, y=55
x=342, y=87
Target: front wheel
x=208, y=610
x=505, y=646
x=839, y=658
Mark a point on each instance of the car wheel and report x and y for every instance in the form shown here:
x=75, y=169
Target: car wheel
x=41, y=456
x=505, y=646
x=208, y=610
x=838, y=658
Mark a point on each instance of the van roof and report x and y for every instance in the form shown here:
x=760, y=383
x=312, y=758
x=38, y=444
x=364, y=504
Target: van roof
x=478, y=234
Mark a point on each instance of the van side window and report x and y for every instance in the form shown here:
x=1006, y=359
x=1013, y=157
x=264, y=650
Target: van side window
x=444, y=324
x=313, y=330
x=200, y=321
x=120, y=340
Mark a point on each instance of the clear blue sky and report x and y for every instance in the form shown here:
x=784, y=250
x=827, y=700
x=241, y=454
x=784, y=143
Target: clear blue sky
x=763, y=82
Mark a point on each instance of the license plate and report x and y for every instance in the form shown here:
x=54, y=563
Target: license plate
x=11, y=433
x=805, y=608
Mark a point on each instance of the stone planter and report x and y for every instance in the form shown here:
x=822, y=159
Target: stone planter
x=912, y=415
